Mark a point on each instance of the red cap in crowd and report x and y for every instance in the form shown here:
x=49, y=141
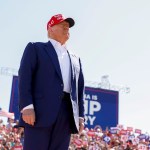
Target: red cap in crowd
x=56, y=19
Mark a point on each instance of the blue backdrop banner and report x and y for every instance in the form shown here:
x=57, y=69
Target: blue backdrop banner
x=13, y=106
x=101, y=107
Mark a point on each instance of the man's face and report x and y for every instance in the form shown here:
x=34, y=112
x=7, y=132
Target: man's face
x=61, y=32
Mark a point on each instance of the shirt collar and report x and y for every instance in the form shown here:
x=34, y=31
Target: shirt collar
x=56, y=43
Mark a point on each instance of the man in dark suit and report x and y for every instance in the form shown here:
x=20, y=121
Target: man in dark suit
x=51, y=88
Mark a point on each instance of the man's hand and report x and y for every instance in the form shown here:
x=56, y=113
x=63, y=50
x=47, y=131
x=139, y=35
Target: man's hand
x=81, y=125
x=28, y=116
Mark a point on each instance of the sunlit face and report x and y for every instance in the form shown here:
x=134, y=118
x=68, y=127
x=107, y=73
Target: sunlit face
x=60, y=32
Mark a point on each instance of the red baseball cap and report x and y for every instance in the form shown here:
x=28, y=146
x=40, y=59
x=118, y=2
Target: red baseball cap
x=56, y=19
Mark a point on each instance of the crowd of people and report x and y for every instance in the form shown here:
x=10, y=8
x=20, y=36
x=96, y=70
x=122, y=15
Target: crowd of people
x=110, y=139
x=11, y=137
x=116, y=138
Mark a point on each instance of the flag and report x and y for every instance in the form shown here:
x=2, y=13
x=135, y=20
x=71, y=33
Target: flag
x=120, y=126
x=78, y=142
x=138, y=131
x=129, y=128
x=4, y=113
x=123, y=132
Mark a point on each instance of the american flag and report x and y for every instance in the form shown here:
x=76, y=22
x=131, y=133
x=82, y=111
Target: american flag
x=4, y=113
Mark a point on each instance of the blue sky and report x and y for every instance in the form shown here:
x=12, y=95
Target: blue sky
x=112, y=37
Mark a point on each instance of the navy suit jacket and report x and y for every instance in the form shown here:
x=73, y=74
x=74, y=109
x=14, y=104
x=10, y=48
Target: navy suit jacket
x=41, y=84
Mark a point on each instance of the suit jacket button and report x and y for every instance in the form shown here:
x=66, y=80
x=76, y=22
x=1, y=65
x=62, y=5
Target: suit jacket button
x=62, y=85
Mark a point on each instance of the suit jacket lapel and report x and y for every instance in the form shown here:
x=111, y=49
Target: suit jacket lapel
x=53, y=55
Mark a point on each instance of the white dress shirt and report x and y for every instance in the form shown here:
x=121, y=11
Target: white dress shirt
x=64, y=62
